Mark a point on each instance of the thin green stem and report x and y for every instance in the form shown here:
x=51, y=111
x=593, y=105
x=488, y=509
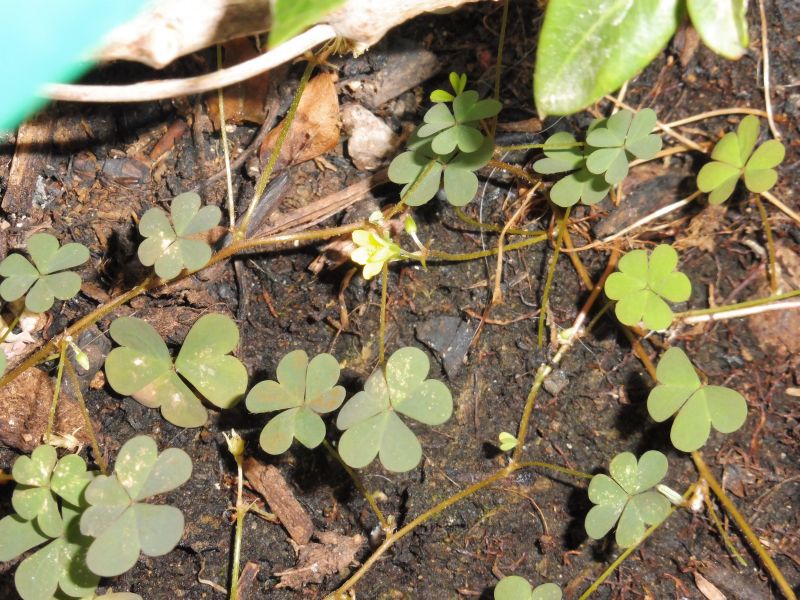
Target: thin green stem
x=447, y=256
x=544, y=465
x=773, y=268
x=51, y=419
x=73, y=379
x=741, y=523
x=10, y=328
x=562, y=227
x=266, y=174
x=225, y=149
x=359, y=483
x=737, y=306
x=726, y=539
x=382, y=328
x=502, y=149
x=514, y=169
x=241, y=512
x=462, y=216
x=498, y=67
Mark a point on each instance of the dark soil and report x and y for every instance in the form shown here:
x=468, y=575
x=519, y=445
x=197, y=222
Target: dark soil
x=531, y=525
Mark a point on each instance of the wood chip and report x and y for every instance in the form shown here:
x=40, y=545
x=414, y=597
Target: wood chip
x=247, y=581
x=708, y=589
x=269, y=482
x=333, y=555
x=25, y=194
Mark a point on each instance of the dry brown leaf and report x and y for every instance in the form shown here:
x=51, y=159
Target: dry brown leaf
x=245, y=101
x=333, y=555
x=315, y=129
x=702, y=230
x=708, y=589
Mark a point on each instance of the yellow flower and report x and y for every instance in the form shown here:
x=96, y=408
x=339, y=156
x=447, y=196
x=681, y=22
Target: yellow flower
x=373, y=251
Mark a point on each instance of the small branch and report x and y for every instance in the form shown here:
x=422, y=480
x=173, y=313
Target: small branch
x=225, y=149
x=652, y=217
x=742, y=312
x=720, y=112
x=715, y=310
x=765, y=60
x=170, y=88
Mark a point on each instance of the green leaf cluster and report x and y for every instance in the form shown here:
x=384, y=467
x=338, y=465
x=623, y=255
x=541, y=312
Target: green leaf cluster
x=143, y=368
x=642, y=285
x=697, y=407
x=60, y=565
x=627, y=499
x=304, y=391
x=735, y=156
x=371, y=419
x=118, y=517
x=602, y=161
x=589, y=49
x=457, y=82
x=47, y=278
x=172, y=247
x=515, y=587
x=447, y=149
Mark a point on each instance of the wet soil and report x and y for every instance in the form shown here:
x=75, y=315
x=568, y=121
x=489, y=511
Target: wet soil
x=531, y=524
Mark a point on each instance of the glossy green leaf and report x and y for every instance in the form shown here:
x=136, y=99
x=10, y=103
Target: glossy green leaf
x=697, y=407
x=370, y=419
x=291, y=17
x=625, y=498
x=734, y=157
x=588, y=49
x=304, y=390
x=722, y=25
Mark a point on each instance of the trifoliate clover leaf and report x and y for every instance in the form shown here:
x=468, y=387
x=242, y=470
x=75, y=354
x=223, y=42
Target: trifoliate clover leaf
x=172, y=247
x=641, y=285
x=698, y=406
x=621, y=138
x=373, y=251
x=457, y=82
x=515, y=587
x=47, y=278
x=627, y=497
x=41, y=476
x=304, y=391
x=122, y=524
x=733, y=157
x=143, y=369
x=458, y=169
x=370, y=419
x=562, y=154
x=457, y=129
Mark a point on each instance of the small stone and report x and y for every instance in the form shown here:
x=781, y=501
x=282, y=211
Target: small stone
x=371, y=140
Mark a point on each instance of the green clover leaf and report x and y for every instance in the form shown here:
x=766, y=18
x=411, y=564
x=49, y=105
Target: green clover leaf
x=457, y=129
x=698, y=406
x=304, y=391
x=142, y=368
x=122, y=524
x=171, y=247
x=370, y=419
x=47, y=278
x=457, y=82
x=457, y=169
x=515, y=587
x=626, y=498
x=563, y=154
x=622, y=137
x=641, y=286
x=61, y=563
x=733, y=157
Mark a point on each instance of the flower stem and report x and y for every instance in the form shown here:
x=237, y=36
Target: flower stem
x=562, y=227
x=51, y=419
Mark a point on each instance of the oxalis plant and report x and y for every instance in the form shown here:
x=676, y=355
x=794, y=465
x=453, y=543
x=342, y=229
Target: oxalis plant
x=89, y=525
x=98, y=525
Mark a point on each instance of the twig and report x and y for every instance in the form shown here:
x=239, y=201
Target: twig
x=781, y=206
x=772, y=265
x=562, y=227
x=742, y=312
x=652, y=217
x=765, y=61
x=720, y=112
x=169, y=88
x=226, y=153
